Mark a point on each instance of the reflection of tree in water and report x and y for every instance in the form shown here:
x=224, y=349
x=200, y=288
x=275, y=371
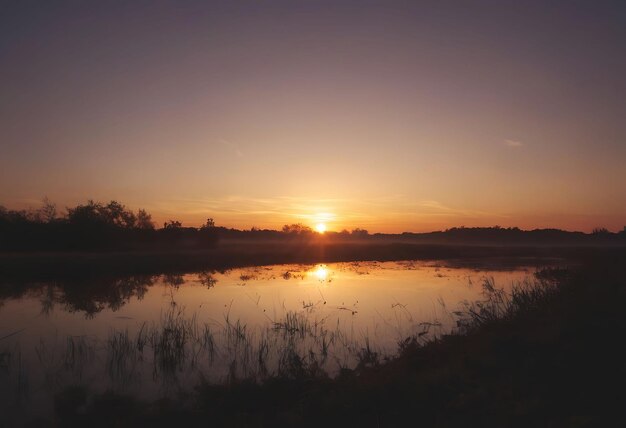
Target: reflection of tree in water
x=173, y=280
x=88, y=295
x=49, y=296
x=407, y=265
x=289, y=274
x=207, y=279
x=362, y=268
x=251, y=274
x=96, y=294
x=16, y=290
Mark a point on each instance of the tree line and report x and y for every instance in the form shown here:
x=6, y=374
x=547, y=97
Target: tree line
x=112, y=226
x=96, y=226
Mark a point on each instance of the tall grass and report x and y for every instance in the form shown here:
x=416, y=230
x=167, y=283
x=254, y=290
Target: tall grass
x=498, y=304
x=179, y=347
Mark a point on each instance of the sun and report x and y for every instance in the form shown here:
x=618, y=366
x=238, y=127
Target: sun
x=320, y=227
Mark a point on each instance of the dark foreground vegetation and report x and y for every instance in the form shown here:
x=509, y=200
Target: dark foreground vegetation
x=548, y=355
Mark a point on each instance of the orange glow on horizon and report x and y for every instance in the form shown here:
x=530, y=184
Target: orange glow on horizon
x=385, y=215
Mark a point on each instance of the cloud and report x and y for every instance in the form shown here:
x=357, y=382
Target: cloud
x=513, y=143
x=435, y=208
x=233, y=146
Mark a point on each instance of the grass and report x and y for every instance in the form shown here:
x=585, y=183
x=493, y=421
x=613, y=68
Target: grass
x=178, y=347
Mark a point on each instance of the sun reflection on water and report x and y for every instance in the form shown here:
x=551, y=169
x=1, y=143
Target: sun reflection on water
x=320, y=272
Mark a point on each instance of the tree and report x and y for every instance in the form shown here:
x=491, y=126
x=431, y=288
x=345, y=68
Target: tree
x=210, y=224
x=112, y=214
x=359, y=232
x=48, y=212
x=144, y=220
x=90, y=213
x=297, y=229
x=117, y=214
x=172, y=224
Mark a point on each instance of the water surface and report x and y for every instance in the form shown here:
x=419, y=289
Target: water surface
x=157, y=335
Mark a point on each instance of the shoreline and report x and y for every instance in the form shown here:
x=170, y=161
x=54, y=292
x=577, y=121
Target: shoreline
x=49, y=265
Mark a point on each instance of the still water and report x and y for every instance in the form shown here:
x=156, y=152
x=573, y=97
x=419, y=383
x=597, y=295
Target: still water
x=150, y=336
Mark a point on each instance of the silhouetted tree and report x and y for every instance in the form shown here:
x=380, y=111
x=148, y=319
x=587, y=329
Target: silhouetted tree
x=172, y=224
x=112, y=214
x=119, y=215
x=210, y=224
x=358, y=232
x=297, y=229
x=88, y=214
x=144, y=220
x=48, y=211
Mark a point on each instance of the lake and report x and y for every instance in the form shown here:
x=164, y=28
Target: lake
x=157, y=335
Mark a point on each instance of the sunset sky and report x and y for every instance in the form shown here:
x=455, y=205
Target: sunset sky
x=391, y=115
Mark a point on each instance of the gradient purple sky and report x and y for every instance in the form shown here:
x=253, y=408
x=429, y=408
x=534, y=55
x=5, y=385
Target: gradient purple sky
x=389, y=115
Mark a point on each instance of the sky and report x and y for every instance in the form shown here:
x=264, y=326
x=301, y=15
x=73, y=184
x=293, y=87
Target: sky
x=386, y=115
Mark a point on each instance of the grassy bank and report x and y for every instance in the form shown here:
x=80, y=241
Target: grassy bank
x=549, y=354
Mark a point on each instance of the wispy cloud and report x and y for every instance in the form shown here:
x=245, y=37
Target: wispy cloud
x=232, y=146
x=513, y=143
x=435, y=208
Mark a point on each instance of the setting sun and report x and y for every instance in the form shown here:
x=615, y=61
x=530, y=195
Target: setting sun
x=320, y=228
